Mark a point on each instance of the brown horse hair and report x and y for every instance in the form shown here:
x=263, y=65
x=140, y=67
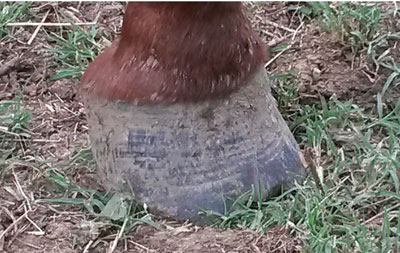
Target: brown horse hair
x=177, y=53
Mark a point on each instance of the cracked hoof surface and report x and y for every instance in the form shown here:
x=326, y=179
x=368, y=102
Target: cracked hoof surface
x=180, y=158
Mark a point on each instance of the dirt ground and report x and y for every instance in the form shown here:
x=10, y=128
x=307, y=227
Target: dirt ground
x=59, y=129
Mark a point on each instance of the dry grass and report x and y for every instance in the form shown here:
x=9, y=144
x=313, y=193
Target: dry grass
x=44, y=147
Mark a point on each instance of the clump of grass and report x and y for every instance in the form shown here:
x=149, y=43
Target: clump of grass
x=14, y=129
x=362, y=27
x=14, y=118
x=116, y=209
x=355, y=24
x=356, y=204
x=285, y=89
x=11, y=12
x=76, y=48
x=111, y=210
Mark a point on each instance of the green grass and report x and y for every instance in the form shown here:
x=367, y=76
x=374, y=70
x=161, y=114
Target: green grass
x=112, y=210
x=75, y=48
x=357, y=25
x=286, y=90
x=14, y=119
x=364, y=28
x=12, y=12
x=354, y=206
x=358, y=203
x=115, y=212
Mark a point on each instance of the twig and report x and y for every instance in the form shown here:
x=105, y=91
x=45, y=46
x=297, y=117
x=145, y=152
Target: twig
x=297, y=30
x=38, y=28
x=275, y=42
x=276, y=56
x=86, y=249
x=310, y=157
x=47, y=24
x=56, y=13
x=379, y=214
x=11, y=216
x=114, y=244
x=256, y=249
x=70, y=15
x=39, y=232
x=9, y=65
x=280, y=26
x=140, y=246
x=45, y=140
x=13, y=224
x=19, y=187
x=29, y=244
x=268, y=33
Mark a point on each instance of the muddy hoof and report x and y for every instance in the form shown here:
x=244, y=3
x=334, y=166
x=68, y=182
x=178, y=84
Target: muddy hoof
x=180, y=158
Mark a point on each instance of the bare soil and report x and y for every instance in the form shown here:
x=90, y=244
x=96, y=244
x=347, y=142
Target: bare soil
x=59, y=130
x=325, y=66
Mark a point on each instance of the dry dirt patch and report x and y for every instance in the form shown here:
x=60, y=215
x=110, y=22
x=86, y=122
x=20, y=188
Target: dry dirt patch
x=325, y=66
